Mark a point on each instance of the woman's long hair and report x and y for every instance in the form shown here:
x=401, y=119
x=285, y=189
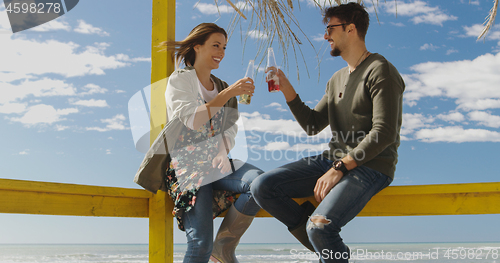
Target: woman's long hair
x=184, y=50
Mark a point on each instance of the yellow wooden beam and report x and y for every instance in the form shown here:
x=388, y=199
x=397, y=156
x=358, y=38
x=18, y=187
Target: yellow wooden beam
x=161, y=237
x=163, y=29
x=29, y=197
x=45, y=187
x=20, y=202
x=161, y=234
x=438, y=199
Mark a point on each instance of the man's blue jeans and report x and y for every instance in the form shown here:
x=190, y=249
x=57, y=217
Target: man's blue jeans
x=198, y=221
x=275, y=189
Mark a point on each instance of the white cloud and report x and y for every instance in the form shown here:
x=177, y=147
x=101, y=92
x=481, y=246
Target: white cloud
x=429, y=47
x=93, y=89
x=141, y=59
x=457, y=134
x=38, y=88
x=399, y=24
x=257, y=34
x=91, y=103
x=23, y=81
x=419, y=11
x=9, y=108
x=472, y=84
x=88, y=29
x=485, y=119
x=260, y=69
x=123, y=57
x=451, y=51
x=481, y=104
x=25, y=152
x=273, y=104
x=451, y=117
x=212, y=9
x=52, y=26
x=473, y=31
x=319, y=38
x=43, y=114
x=20, y=78
x=120, y=91
x=61, y=127
x=433, y=18
x=476, y=29
x=66, y=59
x=115, y=123
x=313, y=3
x=4, y=22
x=414, y=121
x=277, y=106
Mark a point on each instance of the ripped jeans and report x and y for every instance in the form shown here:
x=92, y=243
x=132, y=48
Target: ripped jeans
x=275, y=189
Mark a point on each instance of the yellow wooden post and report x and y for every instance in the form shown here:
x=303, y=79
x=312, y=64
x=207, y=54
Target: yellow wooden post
x=161, y=236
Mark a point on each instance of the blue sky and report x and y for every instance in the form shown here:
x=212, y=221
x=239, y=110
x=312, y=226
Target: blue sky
x=65, y=87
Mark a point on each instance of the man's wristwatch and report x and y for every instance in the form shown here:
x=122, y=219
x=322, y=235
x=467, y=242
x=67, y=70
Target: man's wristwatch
x=340, y=166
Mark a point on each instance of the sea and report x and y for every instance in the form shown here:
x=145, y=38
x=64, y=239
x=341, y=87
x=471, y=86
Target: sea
x=360, y=252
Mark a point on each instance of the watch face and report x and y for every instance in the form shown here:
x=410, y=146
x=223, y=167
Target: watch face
x=337, y=164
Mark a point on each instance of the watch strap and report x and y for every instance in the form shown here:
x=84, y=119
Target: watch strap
x=340, y=166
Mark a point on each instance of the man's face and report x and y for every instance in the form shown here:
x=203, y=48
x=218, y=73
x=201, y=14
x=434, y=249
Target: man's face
x=335, y=36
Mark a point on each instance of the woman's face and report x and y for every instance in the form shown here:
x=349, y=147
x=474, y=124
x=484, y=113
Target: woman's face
x=212, y=52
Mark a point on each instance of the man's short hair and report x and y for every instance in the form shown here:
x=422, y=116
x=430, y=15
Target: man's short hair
x=350, y=13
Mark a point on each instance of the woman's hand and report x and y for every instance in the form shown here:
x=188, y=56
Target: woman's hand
x=240, y=87
x=222, y=162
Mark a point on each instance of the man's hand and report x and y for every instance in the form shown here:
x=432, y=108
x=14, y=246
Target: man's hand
x=325, y=183
x=285, y=85
x=222, y=162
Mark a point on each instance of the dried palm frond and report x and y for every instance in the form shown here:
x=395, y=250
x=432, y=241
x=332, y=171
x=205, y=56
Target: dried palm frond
x=490, y=20
x=236, y=9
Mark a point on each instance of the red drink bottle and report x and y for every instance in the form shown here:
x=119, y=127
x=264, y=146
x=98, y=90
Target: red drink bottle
x=273, y=83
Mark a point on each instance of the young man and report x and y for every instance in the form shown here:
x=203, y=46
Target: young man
x=363, y=106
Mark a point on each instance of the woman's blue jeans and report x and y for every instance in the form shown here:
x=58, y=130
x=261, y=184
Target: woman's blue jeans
x=275, y=189
x=198, y=222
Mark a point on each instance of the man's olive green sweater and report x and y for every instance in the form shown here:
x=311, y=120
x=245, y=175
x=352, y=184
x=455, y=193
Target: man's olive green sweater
x=364, y=111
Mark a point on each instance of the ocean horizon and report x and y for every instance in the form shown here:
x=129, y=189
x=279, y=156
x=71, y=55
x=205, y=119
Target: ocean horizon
x=257, y=252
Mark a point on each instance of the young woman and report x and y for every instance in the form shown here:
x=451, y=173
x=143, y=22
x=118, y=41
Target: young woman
x=201, y=179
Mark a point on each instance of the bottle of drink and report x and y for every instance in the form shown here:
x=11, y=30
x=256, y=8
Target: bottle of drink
x=273, y=82
x=245, y=98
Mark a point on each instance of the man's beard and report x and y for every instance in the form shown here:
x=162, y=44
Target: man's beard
x=335, y=52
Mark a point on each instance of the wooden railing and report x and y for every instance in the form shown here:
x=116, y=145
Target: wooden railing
x=29, y=197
